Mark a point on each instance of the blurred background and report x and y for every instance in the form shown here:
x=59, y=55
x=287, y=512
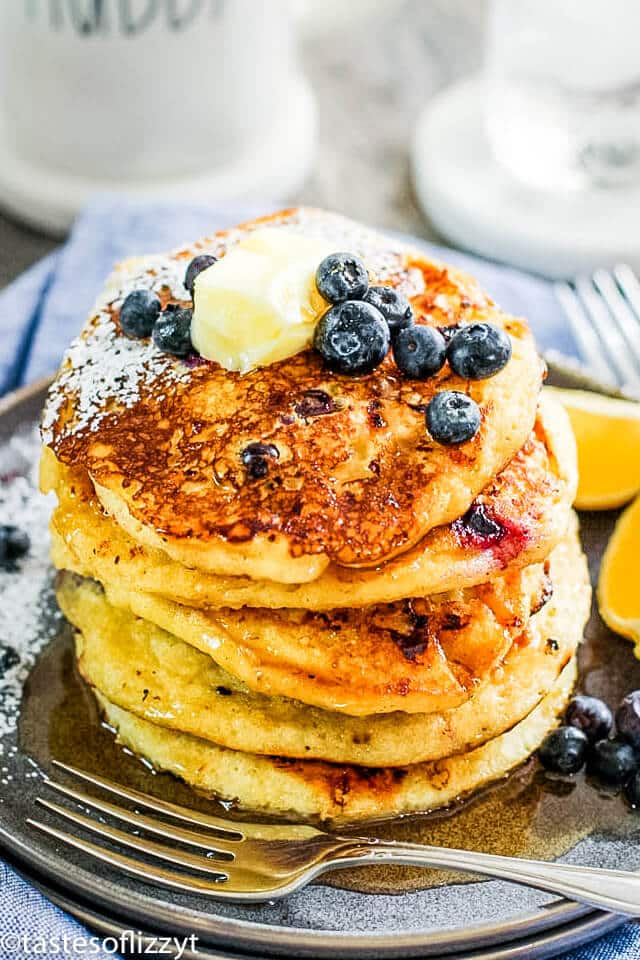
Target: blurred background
x=531, y=156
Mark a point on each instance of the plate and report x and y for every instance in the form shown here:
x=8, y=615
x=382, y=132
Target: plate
x=478, y=205
x=453, y=918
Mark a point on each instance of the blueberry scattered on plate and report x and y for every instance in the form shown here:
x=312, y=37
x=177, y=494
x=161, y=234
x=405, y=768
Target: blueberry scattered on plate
x=9, y=658
x=591, y=715
x=452, y=417
x=352, y=337
x=613, y=760
x=628, y=719
x=139, y=312
x=14, y=544
x=564, y=750
x=633, y=789
x=419, y=351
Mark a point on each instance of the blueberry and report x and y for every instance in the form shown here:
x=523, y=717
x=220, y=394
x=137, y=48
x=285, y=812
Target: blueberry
x=139, y=312
x=17, y=541
x=590, y=715
x=452, y=417
x=419, y=351
x=315, y=403
x=342, y=276
x=197, y=265
x=628, y=719
x=564, y=750
x=393, y=306
x=479, y=351
x=172, y=332
x=9, y=658
x=633, y=789
x=480, y=525
x=613, y=760
x=256, y=457
x=14, y=543
x=352, y=337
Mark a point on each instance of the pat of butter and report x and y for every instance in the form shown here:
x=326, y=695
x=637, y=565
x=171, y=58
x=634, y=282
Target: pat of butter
x=259, y=303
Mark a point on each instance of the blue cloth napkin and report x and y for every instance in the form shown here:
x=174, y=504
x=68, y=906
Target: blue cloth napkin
x=30, y=925
x=46, y=307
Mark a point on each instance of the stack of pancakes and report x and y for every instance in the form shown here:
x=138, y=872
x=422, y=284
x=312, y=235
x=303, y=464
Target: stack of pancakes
x=379, y=625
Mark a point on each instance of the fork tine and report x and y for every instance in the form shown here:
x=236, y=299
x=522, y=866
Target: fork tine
x=144, y=871
x=153, y=803
x=204, y=841
x=233, y=832
x=630, y=286
x=584, y=333
x=610, y=336
x=621, y=312
x=180, y=858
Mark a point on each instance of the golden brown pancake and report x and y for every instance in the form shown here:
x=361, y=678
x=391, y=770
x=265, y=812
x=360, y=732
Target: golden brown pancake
x=354, y=485
x=530, y=501
x=420, y=655
x=313, y=790
x=152, y=674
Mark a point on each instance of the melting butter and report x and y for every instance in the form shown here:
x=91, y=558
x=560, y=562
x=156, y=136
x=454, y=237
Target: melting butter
x=259, y=303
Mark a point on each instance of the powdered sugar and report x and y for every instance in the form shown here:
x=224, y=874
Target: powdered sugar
x=26, y=618
x=101, y=365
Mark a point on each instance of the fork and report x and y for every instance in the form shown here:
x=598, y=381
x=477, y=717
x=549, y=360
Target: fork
x=254, y=862
x=603, y=311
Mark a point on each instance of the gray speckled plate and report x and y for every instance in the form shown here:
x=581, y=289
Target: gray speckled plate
x=324, y=921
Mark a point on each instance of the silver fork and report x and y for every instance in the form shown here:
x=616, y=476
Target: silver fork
x=603, y=311
x=255, y=862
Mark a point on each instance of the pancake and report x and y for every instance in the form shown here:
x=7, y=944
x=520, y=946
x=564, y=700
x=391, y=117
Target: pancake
x=530, y=500
x=150, y=673
x=419, y=655
x=161, y=437
x=333, y=793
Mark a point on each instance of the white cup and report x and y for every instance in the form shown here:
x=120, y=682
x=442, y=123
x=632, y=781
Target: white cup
x=135, y=89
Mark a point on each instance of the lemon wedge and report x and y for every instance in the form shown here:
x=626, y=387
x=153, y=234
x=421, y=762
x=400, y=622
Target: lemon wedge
x=608, y=437
x=618, y=594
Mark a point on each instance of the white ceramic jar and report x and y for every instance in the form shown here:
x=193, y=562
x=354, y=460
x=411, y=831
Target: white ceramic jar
x=145, y=93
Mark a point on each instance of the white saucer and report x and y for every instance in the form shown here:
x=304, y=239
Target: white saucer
x=477, y=206
x=49, y=200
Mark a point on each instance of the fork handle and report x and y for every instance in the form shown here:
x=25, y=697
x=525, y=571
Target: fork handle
x=615, y=890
